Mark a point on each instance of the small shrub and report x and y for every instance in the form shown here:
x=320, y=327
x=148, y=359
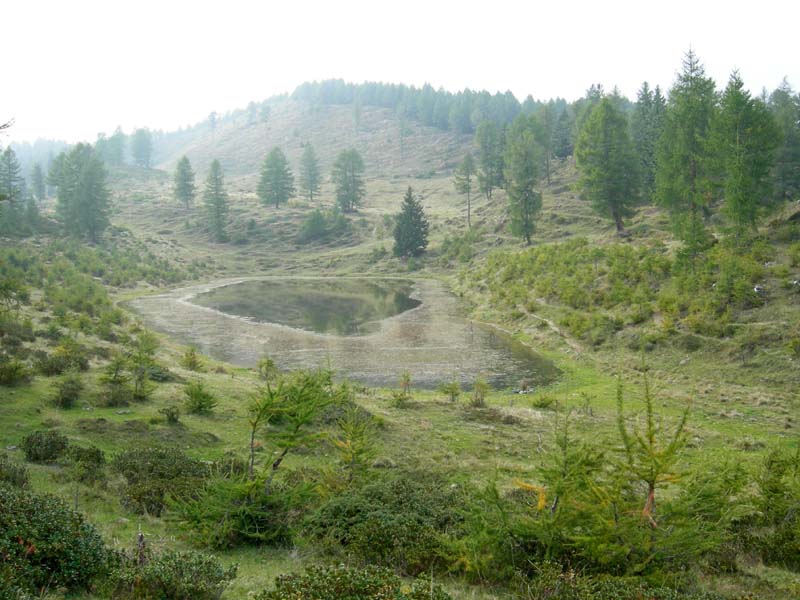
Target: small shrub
x=44, y=446
x=191, y=360
x=45, y=544
x=68, y=391
x=172, y=575
x=172, y=414
x=480, y=389
x=68, y=355
x=370, y=583
x=13, y=473
x=452, y=390
x=543, y=402
x=199, y=401
x=267, y=369
x=13, y=371
x=88, y=463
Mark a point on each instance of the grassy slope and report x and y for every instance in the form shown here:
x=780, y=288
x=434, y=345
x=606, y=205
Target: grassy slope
x=434, y=434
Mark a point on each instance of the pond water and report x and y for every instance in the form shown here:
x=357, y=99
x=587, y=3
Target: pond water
x=368, y=330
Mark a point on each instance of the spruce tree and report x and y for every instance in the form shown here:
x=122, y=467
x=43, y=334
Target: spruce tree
x=743, y=141
x=682, y=173
x=37, y=181
x=83, y=200
x=347, y=176
x=142, y=148
x=310, y=176
x=11, y=180
x=523, y=158
x=463, y=179
x=184, y=188
x=546, y=119
x=216, y=200
x=607, y=163
x=411, y=228
x=277, y=182
x=785, y=107
x=489, y=139
x=647, y=122
x=562, y=135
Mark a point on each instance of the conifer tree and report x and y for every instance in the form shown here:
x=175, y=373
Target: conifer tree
x=347, y=176
x=310, y=175
x=11, y=180
x=142, y=148
x=682, y=172
x=607, y=163
x=523, y=158
x=277, y=182
x=83, y=200
x=411, y=228
x=115, y=148
x=464, y=182
x=37, y=182
x=489, y=140
x=647, y=122
x=785, y=107
x=546, y=119
x=184, y=188
x=216, y=201
x=562, y=135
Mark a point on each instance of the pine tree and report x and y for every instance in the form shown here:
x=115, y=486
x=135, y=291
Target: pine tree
x=682, y=166
x=489, y=140
x=785, y=107
x=647, y=122
x=37, y=181
x=11, y=180
x=523, y=158
x=83, y=200
x=464, y=182
x=607, y=163
x=547, y=118
x=142, y=148
x=347, y=176
x=744, y=136
x=411, y=228
x=310, y=175
x=115, y=148
x=216, y=201
x=277, y=182
x=184, y=188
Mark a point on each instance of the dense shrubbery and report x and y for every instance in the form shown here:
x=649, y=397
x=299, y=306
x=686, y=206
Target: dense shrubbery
x=46, y=545
x=13, y=473
x=322, y=226
x=370, y=583
x=67, y=391
x=44, y=446
x=13, y=371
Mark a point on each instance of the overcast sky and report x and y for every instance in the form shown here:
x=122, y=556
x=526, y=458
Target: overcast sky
x=76, y=68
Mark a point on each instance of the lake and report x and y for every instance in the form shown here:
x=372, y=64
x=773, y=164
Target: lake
x=368, y=330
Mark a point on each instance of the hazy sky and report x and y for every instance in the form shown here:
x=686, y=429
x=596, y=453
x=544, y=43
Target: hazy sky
x=76, y=68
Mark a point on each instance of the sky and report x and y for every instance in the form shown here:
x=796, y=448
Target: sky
x=74, y=69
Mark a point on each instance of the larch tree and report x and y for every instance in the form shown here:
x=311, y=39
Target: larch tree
x=83, y=199
x=310, y=174
x=411, y=227
x=348, y=171
x=37, y=182
x=464, y=182
x=489, y=139
x=184, y=188
x=12, y=184
x=647, y=122
x=785, y=107
x=276, y=184
x=547, y=118
x=523, y=160
x=682, y=173
x=607, y=163
x=215, y=198
x=142, y=148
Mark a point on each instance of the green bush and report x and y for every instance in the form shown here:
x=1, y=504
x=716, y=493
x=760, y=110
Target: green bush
x=13, y=473
x=191, y=360
x=45, y=544
x=172, y=414
x=68, y=355
x=171, y=575
x=13, y=371
x=44, y=446
x=199, y=401
x=346, y=583
x=68, y=391
x=88, y=463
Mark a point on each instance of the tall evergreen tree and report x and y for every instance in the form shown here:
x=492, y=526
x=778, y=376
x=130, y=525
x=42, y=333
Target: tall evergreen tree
x=562, y=135
x=11, y=180
x=83, y=200
x=547, y=117
x=607, y=163
x=184, y=188
x=523, y=159
x=37, y=182
x=277, y=182
x=310, y=174
x=489, y=139
x=142, y=148
x=743, y=141
x=464, y=181
x=682, y=166
x=115, y=148
x=647, y=122
x=348, y=178
x=411, y=228
x=785, y=107
x=215, y=198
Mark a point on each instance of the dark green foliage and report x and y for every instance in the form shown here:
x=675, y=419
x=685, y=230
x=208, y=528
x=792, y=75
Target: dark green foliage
x=607, y=163
x=44, y=446
x=45, y=545
x=169, y=576
x=184, y=188
x=348, y=177
x=199, y=401
x=523, y=156
x=397, y=522
x=13, y=371
x=87, y=463
x=142, y=147
x=13, y=473
x=172, y=414
x=68, y=391
x=216, y=201
x=411, y=227
x=310, y=175
x=276, y=184
x=111, y=149
x=785, y=107
x=347, y=583
x=323, y=226
x=491, y=147
x=191, y=360
x=647, y=123
x=84, y=201
x=153, y=473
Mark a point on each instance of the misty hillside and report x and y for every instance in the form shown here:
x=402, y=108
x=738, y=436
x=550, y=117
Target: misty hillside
x=390, y=145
